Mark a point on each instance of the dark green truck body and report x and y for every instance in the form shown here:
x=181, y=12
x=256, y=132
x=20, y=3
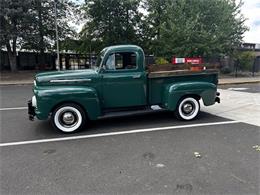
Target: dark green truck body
x=101, y=90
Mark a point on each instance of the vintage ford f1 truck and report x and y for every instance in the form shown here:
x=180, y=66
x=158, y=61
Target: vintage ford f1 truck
x=118, y=84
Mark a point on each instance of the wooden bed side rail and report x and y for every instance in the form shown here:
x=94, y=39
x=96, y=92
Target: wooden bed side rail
x=187, y=72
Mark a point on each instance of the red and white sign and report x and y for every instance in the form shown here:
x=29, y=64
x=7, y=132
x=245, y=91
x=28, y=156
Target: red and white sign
x=186, y=60
x=194, y=60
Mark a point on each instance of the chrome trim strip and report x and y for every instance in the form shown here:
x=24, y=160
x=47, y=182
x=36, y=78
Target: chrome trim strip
x=69, y=80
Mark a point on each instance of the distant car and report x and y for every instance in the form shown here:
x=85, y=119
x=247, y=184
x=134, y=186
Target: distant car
x=118, y=85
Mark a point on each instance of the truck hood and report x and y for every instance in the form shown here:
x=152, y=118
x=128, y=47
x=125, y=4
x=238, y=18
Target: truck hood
x=47, y=78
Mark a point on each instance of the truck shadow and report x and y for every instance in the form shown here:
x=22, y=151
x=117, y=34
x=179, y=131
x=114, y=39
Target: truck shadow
x=126, y=123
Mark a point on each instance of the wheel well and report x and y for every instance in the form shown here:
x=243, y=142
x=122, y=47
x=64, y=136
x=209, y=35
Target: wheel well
x=69, y=102
x=195, y=96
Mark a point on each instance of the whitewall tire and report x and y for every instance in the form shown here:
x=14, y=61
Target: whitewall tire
x=68, y=118
x=187, y=108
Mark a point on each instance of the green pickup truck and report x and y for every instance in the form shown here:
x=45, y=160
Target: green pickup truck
x=119, y=84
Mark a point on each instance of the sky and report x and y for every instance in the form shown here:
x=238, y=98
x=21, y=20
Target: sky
x=251, y=11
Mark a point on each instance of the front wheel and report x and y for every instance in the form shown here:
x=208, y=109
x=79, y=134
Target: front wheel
x=68, y=118
x=187, y=108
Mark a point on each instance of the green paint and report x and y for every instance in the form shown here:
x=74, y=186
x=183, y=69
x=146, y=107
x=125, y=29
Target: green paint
x=100, y=89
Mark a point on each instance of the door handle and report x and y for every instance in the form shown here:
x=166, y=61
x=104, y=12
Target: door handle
x=136, y=76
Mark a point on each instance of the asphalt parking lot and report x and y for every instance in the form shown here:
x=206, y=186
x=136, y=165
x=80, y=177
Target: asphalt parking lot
x=150, y=154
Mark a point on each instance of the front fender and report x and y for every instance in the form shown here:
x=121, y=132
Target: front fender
x=173, y=93
x=49, y=97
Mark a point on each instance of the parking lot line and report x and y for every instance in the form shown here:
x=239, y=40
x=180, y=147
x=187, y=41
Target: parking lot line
x=114, y=133
x=15, y=108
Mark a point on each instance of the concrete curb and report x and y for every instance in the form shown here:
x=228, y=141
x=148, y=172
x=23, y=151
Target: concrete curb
x=17, y=83
x=237, y=82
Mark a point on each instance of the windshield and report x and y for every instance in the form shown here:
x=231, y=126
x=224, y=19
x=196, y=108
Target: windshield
x=99, y=59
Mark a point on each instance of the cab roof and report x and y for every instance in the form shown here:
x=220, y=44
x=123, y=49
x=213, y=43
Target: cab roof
x=123, y=47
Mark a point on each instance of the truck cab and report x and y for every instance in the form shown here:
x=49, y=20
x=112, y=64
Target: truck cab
x=118, y=84
x=123, y=77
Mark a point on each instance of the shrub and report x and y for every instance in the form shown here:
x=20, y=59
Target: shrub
x=246, y=60
x=161, y=61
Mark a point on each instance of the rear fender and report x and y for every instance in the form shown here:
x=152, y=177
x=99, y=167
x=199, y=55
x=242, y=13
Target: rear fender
x=174, y=92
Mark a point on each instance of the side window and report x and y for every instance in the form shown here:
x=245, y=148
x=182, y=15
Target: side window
x=121, y=61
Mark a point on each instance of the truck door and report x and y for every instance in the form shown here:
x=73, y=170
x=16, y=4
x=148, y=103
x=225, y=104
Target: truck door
x=124, y=83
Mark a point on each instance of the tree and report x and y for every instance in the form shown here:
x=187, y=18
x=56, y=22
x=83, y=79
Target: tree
x=30, y=25
x=43, y=36
x=196, y=27
x=110, y=22
x=14, y=26
x=152, y=23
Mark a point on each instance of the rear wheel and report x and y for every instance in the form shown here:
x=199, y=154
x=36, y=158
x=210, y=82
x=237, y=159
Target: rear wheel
x=187, y=108
x=68, y=118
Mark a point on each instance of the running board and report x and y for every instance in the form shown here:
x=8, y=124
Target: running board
x=130, y=113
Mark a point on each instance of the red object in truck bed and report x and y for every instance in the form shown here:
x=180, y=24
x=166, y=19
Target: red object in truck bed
x=197, y=60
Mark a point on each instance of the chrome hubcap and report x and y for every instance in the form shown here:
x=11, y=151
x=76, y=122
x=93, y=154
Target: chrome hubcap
x=187, y=108
x=68, y=118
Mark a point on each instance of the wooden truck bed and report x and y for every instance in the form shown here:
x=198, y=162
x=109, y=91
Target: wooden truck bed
x=170, y=73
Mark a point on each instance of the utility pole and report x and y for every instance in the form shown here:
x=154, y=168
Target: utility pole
x=57, y=36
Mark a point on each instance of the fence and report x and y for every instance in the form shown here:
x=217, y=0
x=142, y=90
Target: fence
x=72, y=61
x=47, y=61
